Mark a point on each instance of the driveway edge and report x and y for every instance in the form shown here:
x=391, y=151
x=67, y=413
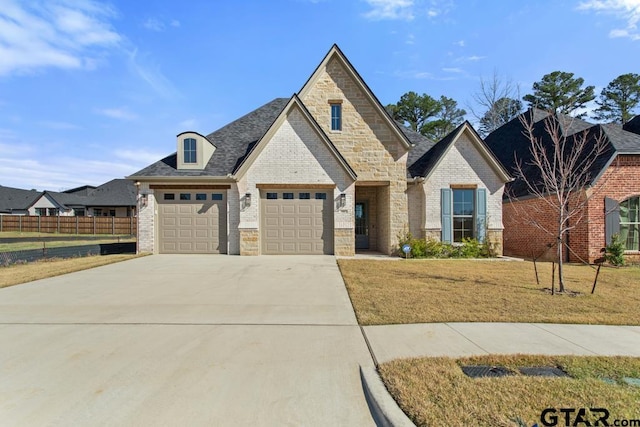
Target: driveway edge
x=384, y=410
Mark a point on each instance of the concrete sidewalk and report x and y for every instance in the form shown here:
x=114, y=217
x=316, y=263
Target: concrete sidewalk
x=390, y=342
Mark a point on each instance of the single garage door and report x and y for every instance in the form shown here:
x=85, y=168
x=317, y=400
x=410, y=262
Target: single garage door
x=192, y=222
x=297, y=221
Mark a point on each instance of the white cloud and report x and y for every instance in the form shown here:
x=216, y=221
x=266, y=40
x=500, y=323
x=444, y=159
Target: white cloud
x=459, y=43
x=472, y=58
x=56, y=125
x=626, y=10
x=188, y=124
x=154, y=24
x=151, y=75
x=56, y=33
x=453, y=70
x=140, y=157
x=122, y=113
x=390, y=9
x=60, y=173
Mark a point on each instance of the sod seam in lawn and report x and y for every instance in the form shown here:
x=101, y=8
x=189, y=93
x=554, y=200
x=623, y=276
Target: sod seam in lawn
x=429, y=291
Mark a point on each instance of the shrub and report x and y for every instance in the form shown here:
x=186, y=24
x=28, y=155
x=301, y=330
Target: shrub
x=614, y=252
x=432, y=248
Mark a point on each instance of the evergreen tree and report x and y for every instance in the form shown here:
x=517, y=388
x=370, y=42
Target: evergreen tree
x=560, y=92
x=618, y=100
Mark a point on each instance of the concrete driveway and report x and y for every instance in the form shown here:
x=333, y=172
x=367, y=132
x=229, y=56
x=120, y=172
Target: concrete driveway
x=184, y=340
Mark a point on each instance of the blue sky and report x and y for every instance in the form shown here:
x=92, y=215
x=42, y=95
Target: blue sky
x=93, y=90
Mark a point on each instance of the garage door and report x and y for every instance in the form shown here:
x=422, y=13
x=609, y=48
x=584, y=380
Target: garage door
x=297, y=222
x=192, y=221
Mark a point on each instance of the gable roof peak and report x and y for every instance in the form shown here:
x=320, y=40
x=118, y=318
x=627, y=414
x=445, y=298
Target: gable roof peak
x=335, y=51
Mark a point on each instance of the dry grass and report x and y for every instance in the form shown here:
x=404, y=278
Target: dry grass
x=22, y=246
x=435, y=392
x=23, y=273
x=423, y=291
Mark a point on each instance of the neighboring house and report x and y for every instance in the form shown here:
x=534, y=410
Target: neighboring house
x=15, y=201
x=322, y=172
x=114, y=198
x=614, y=189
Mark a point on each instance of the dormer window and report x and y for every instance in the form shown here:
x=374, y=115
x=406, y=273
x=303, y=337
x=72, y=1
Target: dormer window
x=193, y=151
x=336, y=116
x=190, y=150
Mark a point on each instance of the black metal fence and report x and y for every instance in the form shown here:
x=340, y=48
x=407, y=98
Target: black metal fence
x=30, y=255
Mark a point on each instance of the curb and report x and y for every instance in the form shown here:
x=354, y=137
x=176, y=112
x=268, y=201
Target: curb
x=384, y=410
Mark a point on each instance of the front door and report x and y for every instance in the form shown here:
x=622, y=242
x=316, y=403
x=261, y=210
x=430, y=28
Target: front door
x=362, y=225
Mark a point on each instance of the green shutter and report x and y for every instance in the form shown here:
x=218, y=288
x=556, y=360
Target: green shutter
x=445, y=199
x=481, y=214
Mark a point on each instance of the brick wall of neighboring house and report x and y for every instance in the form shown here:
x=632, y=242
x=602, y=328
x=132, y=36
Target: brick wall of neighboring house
x=521, y=237
x=295, y=155
x=619, y=182
x=367, y=142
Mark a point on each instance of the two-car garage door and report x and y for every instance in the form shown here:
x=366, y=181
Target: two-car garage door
x=192, y=221
x=292, y=221
x=296, y=221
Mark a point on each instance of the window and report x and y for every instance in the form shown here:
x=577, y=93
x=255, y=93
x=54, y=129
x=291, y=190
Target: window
x=41, y=211
x=463, y=214
x=630, y=223
x=190, y=150
x=201, y=196
x=304, y=196
x=185, y=196
x=321, y=196
x=287, y=195
x=169, y=196
x=112, y=212
x=78, y=212
x=53, y=211
x=97, y=212
x=272, y=196
x=336, y=116
x=216, y=196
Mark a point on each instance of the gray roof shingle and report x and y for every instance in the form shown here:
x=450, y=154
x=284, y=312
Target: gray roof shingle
x=633, y=125
x=233, y=143
x=510, y=144
x=16, y=198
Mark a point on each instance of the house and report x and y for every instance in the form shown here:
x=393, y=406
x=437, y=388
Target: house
x=114, y=198
x=322, y=172
x=613, y=189
x=16, y=201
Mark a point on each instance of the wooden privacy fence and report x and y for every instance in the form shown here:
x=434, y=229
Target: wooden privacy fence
x=69, y=224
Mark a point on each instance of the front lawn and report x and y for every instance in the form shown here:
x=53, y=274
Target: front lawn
x=425, y=291
x=435, y=391
x=21, y=273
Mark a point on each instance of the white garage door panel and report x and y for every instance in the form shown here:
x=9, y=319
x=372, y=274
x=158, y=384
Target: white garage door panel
x=298, y=225
x=192, y=226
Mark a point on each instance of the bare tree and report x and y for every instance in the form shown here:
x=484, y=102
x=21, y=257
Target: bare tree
x=497, y=102
x=560, y=168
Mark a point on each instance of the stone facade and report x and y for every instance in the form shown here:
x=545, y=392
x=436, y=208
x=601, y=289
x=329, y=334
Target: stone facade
x=344, y=242
x=367, y=141
x=249, y=241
